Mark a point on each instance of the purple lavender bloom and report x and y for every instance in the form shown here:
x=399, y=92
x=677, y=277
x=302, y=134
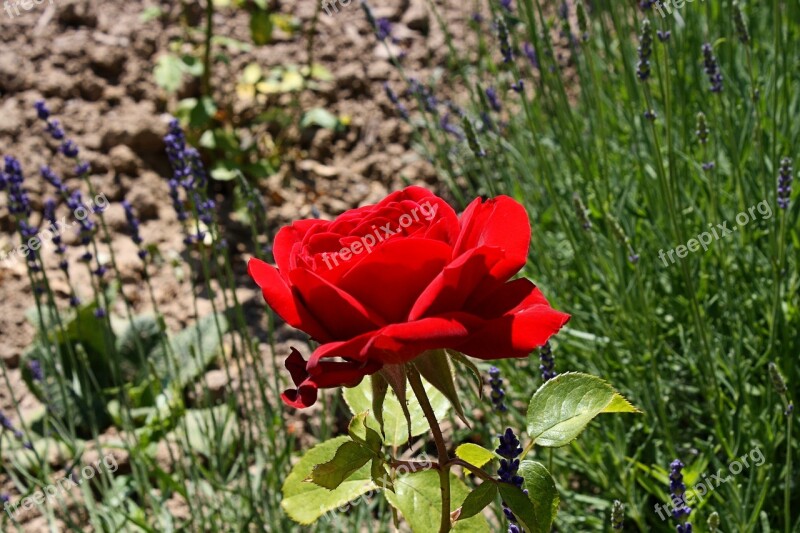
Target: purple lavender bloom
x=518, y=86
x=6, y=424
x=41, y=109
x=510, y=449
x=494, y=102
x=645, y=50
x=477, y=18
x=100, y=312
x=393, y=98
x=498, y=394
x=36, y=370
x=82, y=168
x=69, y=149
x=712, y=69
x=133, y=222
x=49, y=215
x=53, y=179
x=19, y=203
x=506, y=4
x=663, y=36
x=547, y=362
x=55, y=130
x=505, y=44
x=563, y=10
x=678, y=494
x=785, y=179
x=450, y=128
x=383, y=29
x=530, y=53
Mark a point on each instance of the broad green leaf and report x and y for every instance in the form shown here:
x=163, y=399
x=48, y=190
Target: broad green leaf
x=192, y=350
x=348, y=458
x=562, y=407
x=319, y=117
x=366, y=436
x=359, y=399
x=261, y=27
x=434, y=365
x=417, y=496
x=304, y=501
x=210, y=431
x=251, y=74
x=168, y=72
x=478, y=499
x=474, y=454
x=542, y=492
x=380, y=475
x=520, y=505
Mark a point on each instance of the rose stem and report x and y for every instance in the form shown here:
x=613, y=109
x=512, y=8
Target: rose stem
x=441, y=449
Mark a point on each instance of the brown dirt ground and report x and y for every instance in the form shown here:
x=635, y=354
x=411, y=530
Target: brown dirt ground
x=93, y=61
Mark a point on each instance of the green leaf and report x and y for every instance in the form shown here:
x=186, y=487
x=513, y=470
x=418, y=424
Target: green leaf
x=319, y=117
x=562, y=407
x=261, y=27
x=542, y=492
x=464, y=360
x=478, y=499
x=224, y=171
x=380, y=476
x=417, y=496
x=305, y=502
x=209, y=431
x=360, y=432
x=168, y=72
x=474, y=454
x=359, y=399
x=520, y=505
x=434, y=365
x=192, y=350
x=379, y=388
x=348, y=458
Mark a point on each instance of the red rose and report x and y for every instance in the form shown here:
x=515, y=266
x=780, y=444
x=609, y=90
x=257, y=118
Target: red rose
x=383, y=283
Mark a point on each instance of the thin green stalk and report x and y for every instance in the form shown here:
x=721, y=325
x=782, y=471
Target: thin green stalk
x=441, y=448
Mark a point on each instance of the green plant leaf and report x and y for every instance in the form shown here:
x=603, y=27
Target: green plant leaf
x=209, y=431
x=478, y=499
x=348, y=458
x=319, y=117
x=474, y=454
x=168, y=72
x=562, y=407
x=366, y=436
x=464, y=360
x=542, y=492
x=359, y=399
x=379, y=388
x=261, y=27
x=520, y=505
x=434, y=365
x=417, y=496
x=305, y=502
x=193, y=349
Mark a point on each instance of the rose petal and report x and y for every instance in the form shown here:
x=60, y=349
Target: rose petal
x=340, y=313
x=279, y=297
x=500, y=222
x=384, y=281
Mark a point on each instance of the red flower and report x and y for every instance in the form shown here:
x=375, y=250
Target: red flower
x=382, y=284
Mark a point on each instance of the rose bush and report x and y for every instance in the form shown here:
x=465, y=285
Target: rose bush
x=382, y=284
